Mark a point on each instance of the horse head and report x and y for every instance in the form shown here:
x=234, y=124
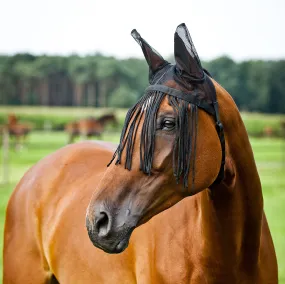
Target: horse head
x=12, y=119
x=171, y=146
x=108, y=118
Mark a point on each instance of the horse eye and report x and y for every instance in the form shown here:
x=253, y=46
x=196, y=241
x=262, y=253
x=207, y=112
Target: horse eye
x=168, y=125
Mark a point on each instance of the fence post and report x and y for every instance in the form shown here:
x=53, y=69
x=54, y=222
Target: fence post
x=5, y=156
x=283, y=141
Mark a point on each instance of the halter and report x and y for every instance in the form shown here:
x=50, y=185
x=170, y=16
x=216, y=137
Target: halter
x=187, y=72
x=211, y=108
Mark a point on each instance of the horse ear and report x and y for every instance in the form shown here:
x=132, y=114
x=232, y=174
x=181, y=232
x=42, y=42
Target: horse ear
x=186, y=57
x=154, y=60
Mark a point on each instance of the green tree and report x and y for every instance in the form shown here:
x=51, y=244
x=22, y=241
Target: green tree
x=276, y=88
x=123, y=97
x=97, y=80
x=225, y=71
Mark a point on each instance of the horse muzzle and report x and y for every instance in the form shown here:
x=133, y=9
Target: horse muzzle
x=109, y=230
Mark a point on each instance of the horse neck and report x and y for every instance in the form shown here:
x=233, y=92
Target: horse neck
x=101, y=120
x=12, y=121
x=232, y=211
x=105, y=119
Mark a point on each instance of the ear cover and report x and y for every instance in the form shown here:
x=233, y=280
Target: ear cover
x=154, y=60
x=187, y=60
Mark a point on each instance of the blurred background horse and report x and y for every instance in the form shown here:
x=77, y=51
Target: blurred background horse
x=18, y=131
x=89, y=127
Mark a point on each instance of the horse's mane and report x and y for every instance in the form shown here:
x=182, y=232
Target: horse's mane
x=184, y=153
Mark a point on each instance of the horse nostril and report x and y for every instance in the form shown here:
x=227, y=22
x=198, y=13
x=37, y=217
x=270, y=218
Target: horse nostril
x=103, y=224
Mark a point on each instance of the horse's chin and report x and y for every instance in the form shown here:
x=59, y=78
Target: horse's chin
x=118, y=247
x=121, y=245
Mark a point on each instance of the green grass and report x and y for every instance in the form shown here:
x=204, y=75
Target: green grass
x=58, y=116
x=269, y=154
x=255, y=123
x=270, y=157
x=57, y=111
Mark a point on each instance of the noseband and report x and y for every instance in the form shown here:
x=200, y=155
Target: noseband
x=211, y=108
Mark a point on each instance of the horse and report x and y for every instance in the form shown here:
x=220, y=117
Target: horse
x=89, y=127
x=108, y=118
x=268, y=131
x=180, y=201
x=18, y=130
x=12, y=119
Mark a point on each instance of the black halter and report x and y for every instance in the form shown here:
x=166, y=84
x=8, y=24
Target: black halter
x=211, y=108
x=188, y=73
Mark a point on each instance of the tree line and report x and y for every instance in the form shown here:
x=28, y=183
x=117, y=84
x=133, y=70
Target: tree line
x=102, y=81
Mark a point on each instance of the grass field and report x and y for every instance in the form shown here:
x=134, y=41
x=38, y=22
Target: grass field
x=58, y=116
x=269, y=154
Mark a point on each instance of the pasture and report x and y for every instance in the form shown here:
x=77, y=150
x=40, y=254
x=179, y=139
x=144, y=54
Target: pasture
x=269, y=154
x=56, y=117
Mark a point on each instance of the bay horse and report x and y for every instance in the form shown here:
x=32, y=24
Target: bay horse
x=89, y=127
x=180, y=202
x=18, y=130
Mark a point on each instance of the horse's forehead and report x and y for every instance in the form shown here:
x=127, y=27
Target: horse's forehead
x=171, y=83
x=165, y=106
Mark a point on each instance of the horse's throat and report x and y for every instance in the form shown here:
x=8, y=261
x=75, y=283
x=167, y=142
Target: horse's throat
x=232, y=211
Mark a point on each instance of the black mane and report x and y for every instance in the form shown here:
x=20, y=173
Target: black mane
x=184, y=152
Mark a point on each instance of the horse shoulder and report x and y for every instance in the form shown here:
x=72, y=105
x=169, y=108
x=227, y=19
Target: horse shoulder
x=54, y=180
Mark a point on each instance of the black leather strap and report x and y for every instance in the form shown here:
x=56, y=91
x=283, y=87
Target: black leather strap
x=220, y=130
x=191, y=98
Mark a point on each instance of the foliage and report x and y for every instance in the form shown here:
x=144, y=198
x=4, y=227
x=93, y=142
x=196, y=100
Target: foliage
x=93, y=80
x=123, y=97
